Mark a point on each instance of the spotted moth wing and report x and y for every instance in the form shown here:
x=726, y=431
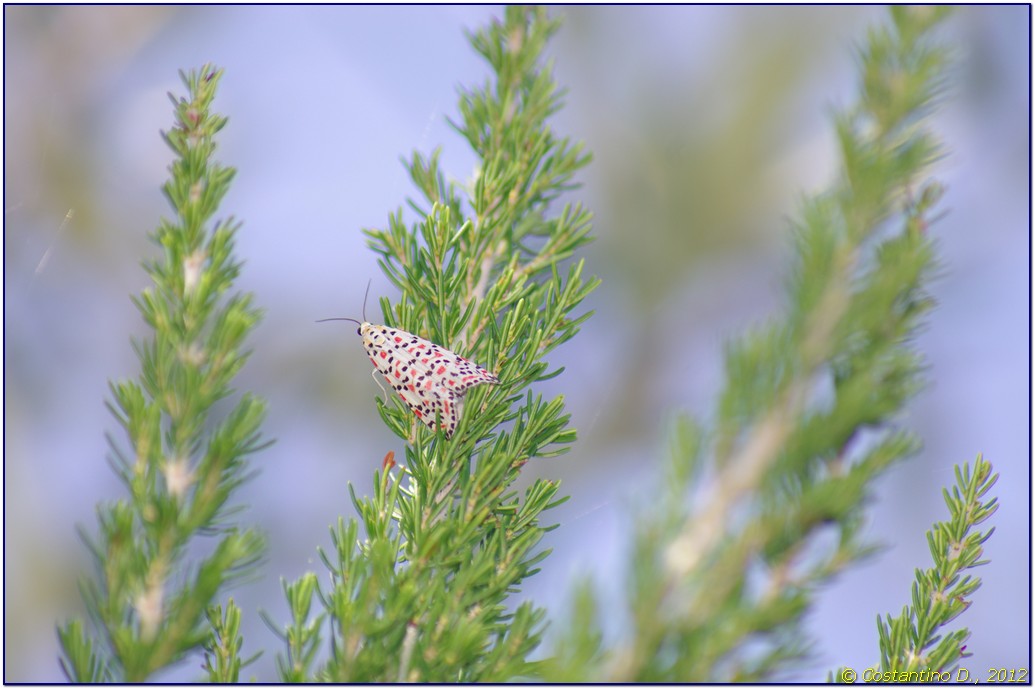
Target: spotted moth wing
x=431, y=380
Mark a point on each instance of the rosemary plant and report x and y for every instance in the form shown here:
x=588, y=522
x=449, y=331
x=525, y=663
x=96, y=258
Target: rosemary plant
x=419, y=583
x=149, y=600
x=909, y=642
x=755, y=511
x=759, y=510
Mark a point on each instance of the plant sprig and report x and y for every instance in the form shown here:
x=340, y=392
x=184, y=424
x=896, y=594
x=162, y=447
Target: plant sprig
x=422, y=597
x=940, y=594
x=150, y=600
x=766, y=505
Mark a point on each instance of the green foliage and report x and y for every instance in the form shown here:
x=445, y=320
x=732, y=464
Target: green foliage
x=303, y=635
x=754, y=512
x=224, y=644
x=149, y=600
x=421, y=594
x=759, y=510
x=909, y=642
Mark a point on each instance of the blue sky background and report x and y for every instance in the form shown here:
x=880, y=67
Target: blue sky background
x=706, y=124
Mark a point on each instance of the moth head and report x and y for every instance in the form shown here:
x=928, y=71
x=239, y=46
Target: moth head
x=372, y=333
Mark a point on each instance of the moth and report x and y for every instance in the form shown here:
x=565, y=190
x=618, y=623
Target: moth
x=430, y=379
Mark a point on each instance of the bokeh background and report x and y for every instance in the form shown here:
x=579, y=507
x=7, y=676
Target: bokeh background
x=706, y=124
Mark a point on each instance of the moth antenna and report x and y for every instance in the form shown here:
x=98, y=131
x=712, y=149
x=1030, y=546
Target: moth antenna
x=324, y=320
x=365, y=295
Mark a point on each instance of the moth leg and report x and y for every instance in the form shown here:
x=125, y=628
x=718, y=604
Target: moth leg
x=373, y=374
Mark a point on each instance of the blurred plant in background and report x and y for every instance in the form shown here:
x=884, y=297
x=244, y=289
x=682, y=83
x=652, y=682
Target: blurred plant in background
x=758, y=511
